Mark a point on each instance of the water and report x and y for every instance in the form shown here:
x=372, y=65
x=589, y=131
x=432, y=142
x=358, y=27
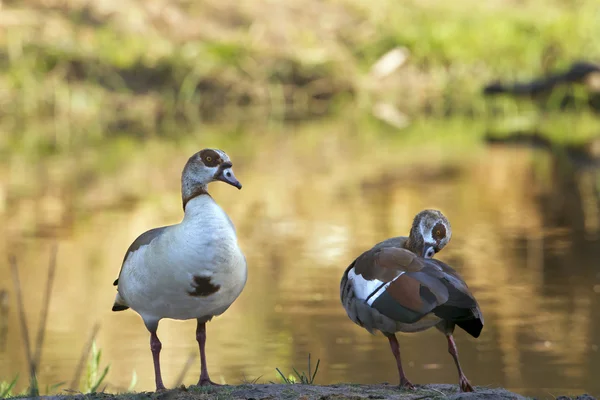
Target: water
x=525, y=238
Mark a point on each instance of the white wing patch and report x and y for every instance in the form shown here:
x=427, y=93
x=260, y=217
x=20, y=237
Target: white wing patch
x=378, y=293
x=364, y=288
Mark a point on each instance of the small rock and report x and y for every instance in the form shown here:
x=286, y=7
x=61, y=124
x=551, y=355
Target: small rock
x=584, y=396
x=389, y=113
x=389, y=62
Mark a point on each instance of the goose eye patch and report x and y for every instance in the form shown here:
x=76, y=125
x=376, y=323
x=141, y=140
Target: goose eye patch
x=439, y=231
x=210, y=158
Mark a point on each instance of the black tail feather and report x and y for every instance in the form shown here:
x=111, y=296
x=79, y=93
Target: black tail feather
x=472, y=326
x=467, y=319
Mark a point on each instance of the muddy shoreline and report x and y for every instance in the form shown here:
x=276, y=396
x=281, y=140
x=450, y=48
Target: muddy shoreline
x=315, y=392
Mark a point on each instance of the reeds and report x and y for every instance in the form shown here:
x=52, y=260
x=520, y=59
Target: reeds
x=184, y=370
x=33, y=358
x=83, y=357
x=95, y=375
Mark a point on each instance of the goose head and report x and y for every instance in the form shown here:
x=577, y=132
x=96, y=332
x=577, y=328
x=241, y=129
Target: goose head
x=206, y=166
x=429, y=234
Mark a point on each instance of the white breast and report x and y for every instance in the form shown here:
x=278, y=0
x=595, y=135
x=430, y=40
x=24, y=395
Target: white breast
x=156, y=280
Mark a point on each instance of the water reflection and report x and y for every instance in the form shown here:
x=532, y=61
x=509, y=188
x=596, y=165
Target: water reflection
x=525, y=239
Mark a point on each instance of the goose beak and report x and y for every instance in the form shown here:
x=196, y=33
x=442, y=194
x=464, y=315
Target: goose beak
x=428, y=251
x=226, y=175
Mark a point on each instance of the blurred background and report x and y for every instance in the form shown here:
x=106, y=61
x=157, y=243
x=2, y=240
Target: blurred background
x=343, y=119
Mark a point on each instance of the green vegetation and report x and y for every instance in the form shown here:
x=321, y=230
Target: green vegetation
x=7, y=387
x=302, y=378
x=94, y=374
x=77, y=73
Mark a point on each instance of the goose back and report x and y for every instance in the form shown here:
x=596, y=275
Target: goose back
x=391, y=289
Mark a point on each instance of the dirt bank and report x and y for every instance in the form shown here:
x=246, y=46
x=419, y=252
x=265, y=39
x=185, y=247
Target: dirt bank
x=310, y=392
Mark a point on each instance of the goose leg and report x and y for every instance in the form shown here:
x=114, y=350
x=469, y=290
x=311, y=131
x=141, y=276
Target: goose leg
x=404, y=382
x=156, y=346
x=465, y=386
x=201, y=338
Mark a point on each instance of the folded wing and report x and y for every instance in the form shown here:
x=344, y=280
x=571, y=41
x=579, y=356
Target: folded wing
x=412, y=287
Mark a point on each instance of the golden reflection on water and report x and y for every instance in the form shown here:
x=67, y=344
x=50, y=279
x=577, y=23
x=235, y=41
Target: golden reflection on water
x=525, y=237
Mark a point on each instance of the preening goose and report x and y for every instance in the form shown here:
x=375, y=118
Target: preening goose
x=191, y=270
x=397, y=287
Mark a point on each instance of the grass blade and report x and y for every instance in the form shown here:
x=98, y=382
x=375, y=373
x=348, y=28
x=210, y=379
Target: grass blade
x=283, y=376
x=9, y=388
x=312, y=378
x=45, y=306
x=184, y=370
x=94, y=387
x=56, y=386
x=33, y=388
x=300, y=377
x=133, y=382
x=84, y=355
x=3, y=318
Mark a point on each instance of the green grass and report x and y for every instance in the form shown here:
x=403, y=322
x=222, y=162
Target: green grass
x=94, y=376
x=301, y=378
x=6, y=387
x=93, y=77
x=94, y=373
x=247, y=381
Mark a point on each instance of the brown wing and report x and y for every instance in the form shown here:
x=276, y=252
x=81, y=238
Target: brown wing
x=373, y=266
x=142, y=240
x=417, y=286
x=411, y=293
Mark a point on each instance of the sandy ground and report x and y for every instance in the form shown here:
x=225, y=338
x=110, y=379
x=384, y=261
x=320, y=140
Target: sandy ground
x=310, y=392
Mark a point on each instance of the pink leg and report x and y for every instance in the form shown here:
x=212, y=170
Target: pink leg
x=465, y=386
x=156, y=346
x=404, y=382
x=201, y=338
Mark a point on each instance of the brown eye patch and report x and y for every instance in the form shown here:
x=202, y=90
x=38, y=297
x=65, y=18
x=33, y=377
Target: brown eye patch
x=210, y=158
x=439, y=231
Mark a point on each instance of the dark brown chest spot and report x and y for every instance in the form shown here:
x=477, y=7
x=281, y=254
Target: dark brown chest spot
x=202, y=287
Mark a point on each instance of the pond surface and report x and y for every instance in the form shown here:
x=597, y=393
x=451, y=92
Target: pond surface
x=526, y=238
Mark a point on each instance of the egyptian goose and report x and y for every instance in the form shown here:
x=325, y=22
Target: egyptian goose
x=397, y=287
x=194, y=269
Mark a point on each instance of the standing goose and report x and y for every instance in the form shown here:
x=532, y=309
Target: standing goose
x=397, y=287
x=193, y=269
